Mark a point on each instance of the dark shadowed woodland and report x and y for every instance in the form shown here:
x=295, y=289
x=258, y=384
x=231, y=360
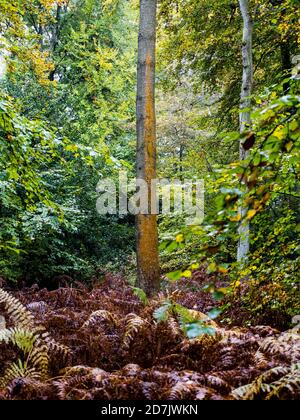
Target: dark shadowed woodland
x=145, y=305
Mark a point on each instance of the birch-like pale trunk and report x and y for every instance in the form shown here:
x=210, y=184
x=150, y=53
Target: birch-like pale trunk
x=2, y=65
x=245, y=116
x=146, y=224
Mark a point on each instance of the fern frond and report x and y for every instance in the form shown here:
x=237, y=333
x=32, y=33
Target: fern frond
x=204, y=341
x=37, y=360
x=241, y=392
x=32, y=339
x=131, y=369
x=174, y=327
x=202, y=394
x=79, y=376
x=101, y=316
x=260, y=359
x=182, y=390
x=134, y=325
x=271, y=384
x=2, y=323
x=38, y=307
x=290, y=383
x=21, y=338
x=53, y=346
x=64, y=386
x=218, y=383
x=20, y=316
x=20, y=370
x=286, y=346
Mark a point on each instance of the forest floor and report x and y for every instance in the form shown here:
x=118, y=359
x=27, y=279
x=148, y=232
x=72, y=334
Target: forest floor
x=117, y=350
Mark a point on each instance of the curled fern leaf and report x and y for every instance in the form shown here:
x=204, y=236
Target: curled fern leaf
x=134, y=326
x=99, y=317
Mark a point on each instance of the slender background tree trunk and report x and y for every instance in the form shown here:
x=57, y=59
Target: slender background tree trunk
x=245, y=116
x=147, y=236
x=2, y=65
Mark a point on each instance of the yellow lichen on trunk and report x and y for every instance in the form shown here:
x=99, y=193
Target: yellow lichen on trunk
x=146, y=224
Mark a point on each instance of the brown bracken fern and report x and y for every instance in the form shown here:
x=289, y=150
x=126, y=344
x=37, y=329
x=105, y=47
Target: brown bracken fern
x=121, y=351
x=30, y=338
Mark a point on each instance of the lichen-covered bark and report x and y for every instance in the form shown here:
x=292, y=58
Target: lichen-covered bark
x=147, y=236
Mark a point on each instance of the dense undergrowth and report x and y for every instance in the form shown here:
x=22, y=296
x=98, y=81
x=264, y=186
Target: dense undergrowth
x=104, y=343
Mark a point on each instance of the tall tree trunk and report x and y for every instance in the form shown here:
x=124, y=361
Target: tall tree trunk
x=286, y=63
x=181, y=151
x=2, y=66
x=285, y=52
x=56, y=29
x=55, y=38
x=286, y=59
x=245, y=117
x=147, y=236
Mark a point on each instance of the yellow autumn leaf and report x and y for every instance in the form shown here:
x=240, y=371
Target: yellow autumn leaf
x=195, y=266
x=71, y=148
x=280, y=132
x=236, y=218
x=212, y=268
x=187, y=273
x=179, y=238
x=251, y=214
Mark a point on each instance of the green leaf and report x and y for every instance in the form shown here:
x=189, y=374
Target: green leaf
x=162, y=313
x=172, y=246
x=214, y=313
x=175, y=275
x=196, y=329
x=217, y=295
x=140, y=294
